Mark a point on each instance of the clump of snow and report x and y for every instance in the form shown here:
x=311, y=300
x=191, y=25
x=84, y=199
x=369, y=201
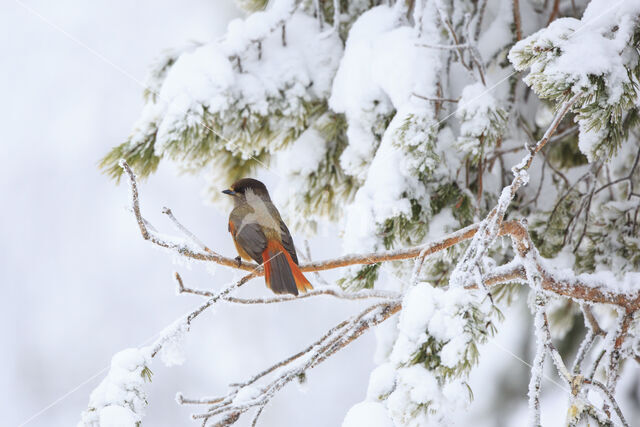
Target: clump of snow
x=481, y=117
x=172, y=351
x=571, y=54
x=370, y=414
x=303, y=156
x=117, y=416
x=588, y=138
x=435, y=312
x=419, y=399
x=378, y=74
x=369, y=86
x=355, y=91
x=246, y=394
x=120, y=398
x=381, y=196
x=381, y=381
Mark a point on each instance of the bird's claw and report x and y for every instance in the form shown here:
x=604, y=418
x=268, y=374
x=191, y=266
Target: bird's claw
x=238, y=261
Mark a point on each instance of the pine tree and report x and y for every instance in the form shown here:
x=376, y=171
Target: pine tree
x=403, y=121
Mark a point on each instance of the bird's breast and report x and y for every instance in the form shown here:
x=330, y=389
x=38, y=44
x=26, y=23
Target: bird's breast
x=262, y=212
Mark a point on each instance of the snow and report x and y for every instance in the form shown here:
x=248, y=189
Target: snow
x=370, y=414
x=435, y=311
x=416, y=396
x=248, y=72
x=303, y=156
x=380, y=197
x=377, y=77
x=117, y=416
x=578, y=50
x=418, y=400
x=120, y=398
x=480, y=117
x=381, y=381
x=355, y=92
x=605, y=281
x=246, y=394
x=172, y=351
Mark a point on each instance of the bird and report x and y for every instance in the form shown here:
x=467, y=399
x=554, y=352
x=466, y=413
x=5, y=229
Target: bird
x=260, y=234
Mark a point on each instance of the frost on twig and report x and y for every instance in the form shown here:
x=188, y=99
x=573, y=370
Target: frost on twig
x=257, y=391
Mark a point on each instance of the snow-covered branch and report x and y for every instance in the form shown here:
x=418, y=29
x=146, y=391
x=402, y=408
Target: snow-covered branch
x=260, y=389
x=585, y=288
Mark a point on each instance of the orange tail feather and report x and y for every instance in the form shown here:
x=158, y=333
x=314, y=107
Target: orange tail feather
x=281, y=274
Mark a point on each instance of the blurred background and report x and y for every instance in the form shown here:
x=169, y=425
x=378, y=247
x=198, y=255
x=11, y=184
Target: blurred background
x=80, y=284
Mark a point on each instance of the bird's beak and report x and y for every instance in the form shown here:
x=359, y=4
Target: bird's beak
x=229, y=192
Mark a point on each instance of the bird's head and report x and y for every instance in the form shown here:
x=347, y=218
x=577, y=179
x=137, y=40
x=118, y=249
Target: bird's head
x=241, y=188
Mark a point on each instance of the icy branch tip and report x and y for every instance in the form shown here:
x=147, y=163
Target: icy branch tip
x=179, y=398
x=123, y=164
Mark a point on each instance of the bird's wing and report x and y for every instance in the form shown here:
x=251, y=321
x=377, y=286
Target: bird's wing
x=250, y=238
x=287, y=241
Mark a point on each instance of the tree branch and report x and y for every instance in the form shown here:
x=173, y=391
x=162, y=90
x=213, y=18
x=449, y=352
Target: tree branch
x=567, y=285
x=334, y=292
x=611, y=399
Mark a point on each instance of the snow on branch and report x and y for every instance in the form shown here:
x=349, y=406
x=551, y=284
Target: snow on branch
x=586, y=288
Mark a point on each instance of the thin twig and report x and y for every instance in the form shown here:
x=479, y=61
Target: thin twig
x=611, y=399
x=426, y=98
x=185, y=231
x=554, y=11
x=335, y=292
x=444, y=46
x=516, y=19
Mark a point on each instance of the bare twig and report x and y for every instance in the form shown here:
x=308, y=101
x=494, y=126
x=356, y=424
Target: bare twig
x=480, y=14
x=516, y=19
x=593, y=331
x=335, y=292
x=554, y=11
x=629, y=177
x=426, y=98
x=611, y=399
x=180, y=248
x=444, y=46
x=555, y=355
x=184, y=230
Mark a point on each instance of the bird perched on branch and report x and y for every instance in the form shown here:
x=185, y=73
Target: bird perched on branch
x=260, y=235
